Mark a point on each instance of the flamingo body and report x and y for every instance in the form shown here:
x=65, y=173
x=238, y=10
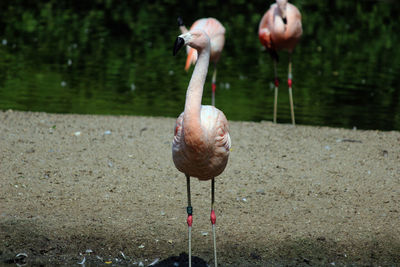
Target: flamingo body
x=215, y=31
x=203, y=156
x=274, y=34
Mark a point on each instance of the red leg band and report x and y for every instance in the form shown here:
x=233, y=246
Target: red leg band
x=189, y=220
x=289, y=82
x=213, y=217
x=213, y=86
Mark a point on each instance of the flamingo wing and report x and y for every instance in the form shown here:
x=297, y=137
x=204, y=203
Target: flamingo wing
x=294, y=28
x=265, y=30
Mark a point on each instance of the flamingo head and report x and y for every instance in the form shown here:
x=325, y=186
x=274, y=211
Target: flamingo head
x=282, y=8
x=196, y=39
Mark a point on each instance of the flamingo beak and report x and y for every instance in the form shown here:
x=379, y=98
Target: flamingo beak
x=180, y=21
x=179, y=42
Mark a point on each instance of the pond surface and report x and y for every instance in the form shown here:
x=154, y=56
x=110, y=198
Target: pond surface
x=108, y=57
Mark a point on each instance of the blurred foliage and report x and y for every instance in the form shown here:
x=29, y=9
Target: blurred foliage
x=115, y=57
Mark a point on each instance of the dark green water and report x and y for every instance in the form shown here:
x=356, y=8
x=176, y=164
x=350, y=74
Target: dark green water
x=115, y=57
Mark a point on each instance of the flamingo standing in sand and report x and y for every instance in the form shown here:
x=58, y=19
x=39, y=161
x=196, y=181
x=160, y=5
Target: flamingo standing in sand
x=280, y=28
x=201, y=141
x=216, y=33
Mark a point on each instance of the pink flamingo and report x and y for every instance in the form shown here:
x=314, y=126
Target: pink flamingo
x=280, y=28
x=201, y=141
x=216, y=32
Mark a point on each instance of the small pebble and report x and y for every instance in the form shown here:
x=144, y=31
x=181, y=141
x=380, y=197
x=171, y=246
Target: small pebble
x=260, y=191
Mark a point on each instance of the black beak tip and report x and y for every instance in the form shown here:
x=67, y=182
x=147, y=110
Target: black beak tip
x=180, y=21
x=179, y=42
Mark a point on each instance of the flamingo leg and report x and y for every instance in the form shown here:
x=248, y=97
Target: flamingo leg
x=214, y=85
x=276, y=91
x=189, y=210
x=213, y=219
x=290, y=89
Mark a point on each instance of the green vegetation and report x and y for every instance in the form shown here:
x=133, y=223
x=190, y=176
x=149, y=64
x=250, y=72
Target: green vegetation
x=115, y=57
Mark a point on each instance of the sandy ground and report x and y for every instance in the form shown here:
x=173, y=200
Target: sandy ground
x=289, y=195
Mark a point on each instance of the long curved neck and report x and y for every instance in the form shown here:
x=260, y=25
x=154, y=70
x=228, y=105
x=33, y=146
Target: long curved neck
x=194, y=92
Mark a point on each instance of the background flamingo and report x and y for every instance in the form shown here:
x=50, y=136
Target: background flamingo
x=216, y=33
x=201, y=141
x=280, y=28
